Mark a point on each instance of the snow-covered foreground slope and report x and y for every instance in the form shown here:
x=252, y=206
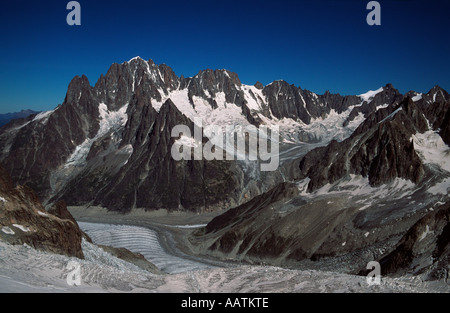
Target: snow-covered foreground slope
x=23, y=269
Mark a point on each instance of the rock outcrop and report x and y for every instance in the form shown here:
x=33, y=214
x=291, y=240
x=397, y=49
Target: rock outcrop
x=133, y=258
x=23, y=220
x=424, y=249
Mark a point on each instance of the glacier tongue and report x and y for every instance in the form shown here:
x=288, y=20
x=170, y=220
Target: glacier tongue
x=140, y=240
x=27, y=270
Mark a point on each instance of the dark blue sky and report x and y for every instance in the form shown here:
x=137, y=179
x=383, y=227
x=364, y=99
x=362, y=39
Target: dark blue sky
x=317, y=45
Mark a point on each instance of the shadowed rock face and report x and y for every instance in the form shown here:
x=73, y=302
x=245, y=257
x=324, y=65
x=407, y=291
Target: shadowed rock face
x=434, y=106
x=387, y=97
x=380, y=149
x=288, y=101
x=208, y=83
x=151, y=178
x=281, y=227
x=425, y=248
x=23, y=220
x=35, y=149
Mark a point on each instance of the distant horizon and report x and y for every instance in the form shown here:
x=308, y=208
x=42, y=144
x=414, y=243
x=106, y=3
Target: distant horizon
x=315, y=45
x=20, y=111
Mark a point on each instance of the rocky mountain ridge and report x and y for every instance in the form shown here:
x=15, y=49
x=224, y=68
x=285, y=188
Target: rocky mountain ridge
x=109, y=143
x=368, y=197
